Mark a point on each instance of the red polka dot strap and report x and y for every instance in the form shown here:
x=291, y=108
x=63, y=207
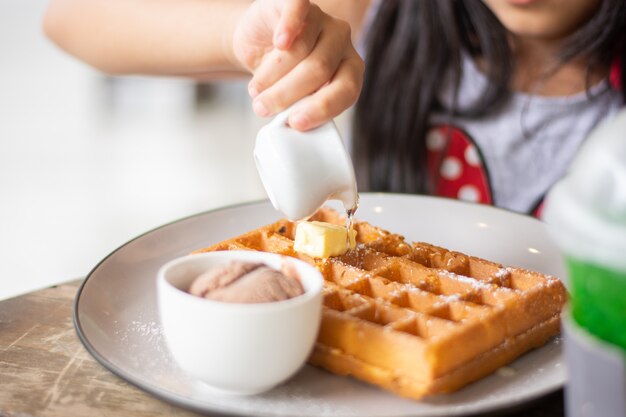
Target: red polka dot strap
x=615, y=76
x=455, y=166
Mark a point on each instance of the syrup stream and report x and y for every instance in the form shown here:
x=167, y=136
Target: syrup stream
x=350, y=218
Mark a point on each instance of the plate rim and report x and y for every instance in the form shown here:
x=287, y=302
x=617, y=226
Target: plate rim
x=165, y=395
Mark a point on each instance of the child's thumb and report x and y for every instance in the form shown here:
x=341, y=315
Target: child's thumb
x=292, y=17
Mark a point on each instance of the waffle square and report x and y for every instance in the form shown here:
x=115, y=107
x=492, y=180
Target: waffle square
x=414, y=318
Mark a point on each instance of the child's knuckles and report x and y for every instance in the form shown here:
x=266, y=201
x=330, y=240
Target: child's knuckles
x=323, y=107
x=320, y=68
x=344, y=30
x=276, y=100
x=250, y=58
x=257, y=86
x=351, y=89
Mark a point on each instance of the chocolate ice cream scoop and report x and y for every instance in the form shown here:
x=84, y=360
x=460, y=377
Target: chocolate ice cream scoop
x=246, y=282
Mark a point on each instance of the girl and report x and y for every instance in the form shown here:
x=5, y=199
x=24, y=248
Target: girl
x=482, y=100
x=507, y=92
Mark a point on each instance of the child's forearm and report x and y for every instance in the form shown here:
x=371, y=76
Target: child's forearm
x=161, y=37
x=293, y=48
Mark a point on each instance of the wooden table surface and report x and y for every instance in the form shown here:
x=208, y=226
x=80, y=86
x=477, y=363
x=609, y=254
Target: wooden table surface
x=46, y=372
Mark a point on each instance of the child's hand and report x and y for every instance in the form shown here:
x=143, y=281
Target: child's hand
x=294, y=49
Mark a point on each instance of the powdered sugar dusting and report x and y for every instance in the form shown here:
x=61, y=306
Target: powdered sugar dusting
x=291, y=399
x=475, y=283
x=502, y=273
x=450, y=298
x=143, y=342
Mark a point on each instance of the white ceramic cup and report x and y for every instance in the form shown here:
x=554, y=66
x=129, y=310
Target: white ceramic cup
x=596, y=383
x=301, y=170
x=238, y=348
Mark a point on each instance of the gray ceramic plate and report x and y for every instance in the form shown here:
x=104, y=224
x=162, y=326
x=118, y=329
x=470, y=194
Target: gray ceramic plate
x=116, y=316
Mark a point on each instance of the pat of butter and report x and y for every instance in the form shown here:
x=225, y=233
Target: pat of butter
x=321, y=240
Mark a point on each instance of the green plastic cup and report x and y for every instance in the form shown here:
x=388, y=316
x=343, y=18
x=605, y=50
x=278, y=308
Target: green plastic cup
x=586, y=215
x=598, y=300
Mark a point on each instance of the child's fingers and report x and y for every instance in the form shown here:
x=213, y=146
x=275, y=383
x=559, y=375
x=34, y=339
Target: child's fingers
x=277, y=63
x=307, y=76
x=332, y=99
x=292, y=17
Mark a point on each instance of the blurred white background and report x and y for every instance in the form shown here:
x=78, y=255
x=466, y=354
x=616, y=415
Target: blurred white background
x=89, y=162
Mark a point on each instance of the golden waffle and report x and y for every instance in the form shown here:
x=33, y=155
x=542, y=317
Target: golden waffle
x=414, y=318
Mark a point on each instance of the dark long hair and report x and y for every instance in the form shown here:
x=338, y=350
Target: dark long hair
x=414, y=47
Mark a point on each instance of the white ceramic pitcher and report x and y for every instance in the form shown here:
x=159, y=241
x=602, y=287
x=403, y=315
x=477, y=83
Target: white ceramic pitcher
x=301, y=170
